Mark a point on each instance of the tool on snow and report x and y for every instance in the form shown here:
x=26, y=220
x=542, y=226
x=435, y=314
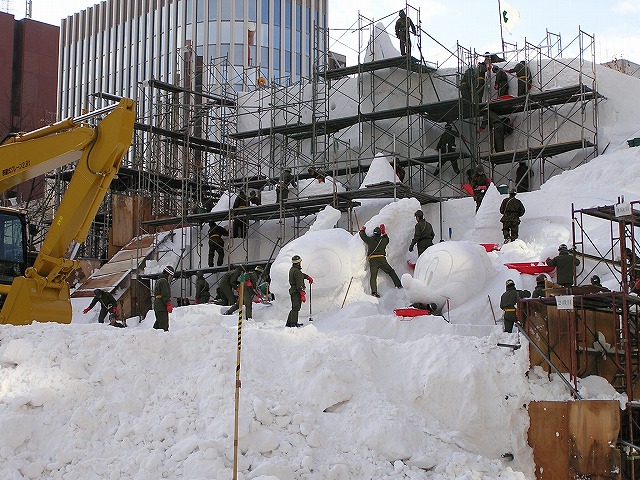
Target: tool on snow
x=495, y=322
x=346, y=293
x=310, y=297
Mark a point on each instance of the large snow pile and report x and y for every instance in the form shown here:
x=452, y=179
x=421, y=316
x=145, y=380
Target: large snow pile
x=357, y=394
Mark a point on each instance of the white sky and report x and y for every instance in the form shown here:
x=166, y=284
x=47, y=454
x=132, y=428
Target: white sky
x=473, y=23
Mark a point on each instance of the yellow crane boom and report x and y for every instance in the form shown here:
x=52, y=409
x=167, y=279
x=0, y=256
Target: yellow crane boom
x=42, y=294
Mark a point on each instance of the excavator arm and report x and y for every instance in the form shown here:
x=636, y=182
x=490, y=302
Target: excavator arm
x=42, y=294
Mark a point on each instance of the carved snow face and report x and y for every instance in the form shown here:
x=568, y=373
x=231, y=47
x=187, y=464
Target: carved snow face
x=450, y=270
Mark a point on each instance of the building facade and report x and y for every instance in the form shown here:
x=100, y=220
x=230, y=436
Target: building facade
x=28, y=75
x=116, y=44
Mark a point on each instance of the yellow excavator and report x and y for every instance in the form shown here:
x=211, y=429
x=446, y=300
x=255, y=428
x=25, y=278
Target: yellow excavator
x=40, y=292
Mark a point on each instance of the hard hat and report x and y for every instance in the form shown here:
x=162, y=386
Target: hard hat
x=199, y=273
x=419, y=213
x=512, y=191
x=479, y=169
x=259, y=269
x=448, y=126
x=595, y=279
x=241, y=267
x=169, y=270
x=495, y=69
x=510, y=283
x=401, y=12
x=287, y=170
x=97, y=291
x=562, y=248
x=377, y=232
x=541, y=278
x=296, y=259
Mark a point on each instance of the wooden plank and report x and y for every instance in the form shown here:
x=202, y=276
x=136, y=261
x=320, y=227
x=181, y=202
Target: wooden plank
x=549, y=439
x=575, y=440
x=594, y=426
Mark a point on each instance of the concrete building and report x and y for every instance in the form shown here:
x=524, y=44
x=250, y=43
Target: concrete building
x=28, y=77
x=116, y=44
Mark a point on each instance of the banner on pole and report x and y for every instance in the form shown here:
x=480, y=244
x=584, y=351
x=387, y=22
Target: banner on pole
x=509, y=16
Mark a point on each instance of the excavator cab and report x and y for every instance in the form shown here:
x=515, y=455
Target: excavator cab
x=13, y=246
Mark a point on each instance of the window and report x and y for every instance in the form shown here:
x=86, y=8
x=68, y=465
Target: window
x=225, y=15
x=239, y=31
x=239, y=10
x=200, y=11
x=277, y=7
x=287, y=13
x=213, y=9
x=265, y=12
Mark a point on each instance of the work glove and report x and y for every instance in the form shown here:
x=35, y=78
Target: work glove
x=383, y=230
x=86, y=310
x=169, y=307
x=115, y=310
x=309, y=279
x=363, y=228
x=303, y=297
x=411, y=246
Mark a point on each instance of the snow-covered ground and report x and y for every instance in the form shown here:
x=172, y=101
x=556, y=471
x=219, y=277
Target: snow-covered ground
x=357, y=394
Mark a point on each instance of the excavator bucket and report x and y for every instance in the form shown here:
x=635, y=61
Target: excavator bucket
x=28, y=302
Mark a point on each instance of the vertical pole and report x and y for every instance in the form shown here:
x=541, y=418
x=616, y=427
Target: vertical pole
x=237, y=400
x=501, y=36
x=395, y=169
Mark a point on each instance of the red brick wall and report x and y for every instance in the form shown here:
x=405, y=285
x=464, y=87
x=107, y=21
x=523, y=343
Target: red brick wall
x=6, y=61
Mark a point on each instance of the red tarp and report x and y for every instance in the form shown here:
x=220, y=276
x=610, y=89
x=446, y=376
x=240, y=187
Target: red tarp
x=411, y=312
x=530, y=268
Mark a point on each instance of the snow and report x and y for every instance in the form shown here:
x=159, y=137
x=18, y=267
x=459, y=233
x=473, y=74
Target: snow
x=356, y=394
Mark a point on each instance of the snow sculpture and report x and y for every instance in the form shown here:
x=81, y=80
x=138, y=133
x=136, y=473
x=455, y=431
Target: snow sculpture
x=325, y=257
x=380, y=170
x=450, y=270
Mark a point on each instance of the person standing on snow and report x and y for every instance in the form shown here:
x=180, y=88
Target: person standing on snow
x=565, y=264
x=377, y=255
x=508, y=302
x=107, y=304
x=162, y=299
x=228, y=283
x=296, y=290
x=422, y=235
x=511, y=209
x=249, y=283
x=202, y=288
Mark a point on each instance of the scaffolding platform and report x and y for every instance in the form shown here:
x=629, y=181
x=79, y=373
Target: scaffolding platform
x=413, y=64
x=431, y=159
x=439, y=112
x=301, y=207
x=541, y=151
x=184, y=139
x=189, y=272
